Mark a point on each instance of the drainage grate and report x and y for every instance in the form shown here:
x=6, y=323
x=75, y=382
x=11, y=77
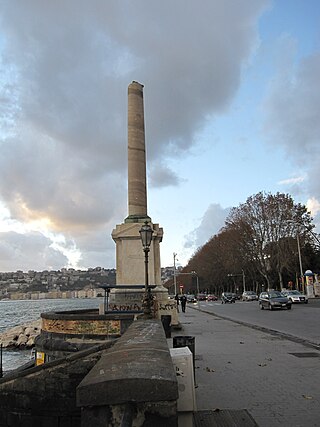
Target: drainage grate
x=305, y=354
x=224, y=418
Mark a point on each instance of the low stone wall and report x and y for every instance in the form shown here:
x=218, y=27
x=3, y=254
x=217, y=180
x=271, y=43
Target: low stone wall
x=131, y=375
x=46, y=395
x=21, y=337
x=136, y=377
x=65, y=332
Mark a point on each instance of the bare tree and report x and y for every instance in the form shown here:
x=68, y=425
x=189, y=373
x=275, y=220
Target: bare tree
x=265, y=226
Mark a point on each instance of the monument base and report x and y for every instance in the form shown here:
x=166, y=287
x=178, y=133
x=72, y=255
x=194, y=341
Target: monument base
x=130, y=299
x=131, y=257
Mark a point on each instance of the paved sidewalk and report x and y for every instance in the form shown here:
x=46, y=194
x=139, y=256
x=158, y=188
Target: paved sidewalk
x=276, y=380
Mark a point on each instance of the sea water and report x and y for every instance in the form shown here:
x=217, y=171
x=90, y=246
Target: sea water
x=14, y=313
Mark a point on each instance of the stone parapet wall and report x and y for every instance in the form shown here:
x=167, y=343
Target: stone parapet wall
x=46, y=395
x=70, y=331
x=138, y=370
x=94, y=387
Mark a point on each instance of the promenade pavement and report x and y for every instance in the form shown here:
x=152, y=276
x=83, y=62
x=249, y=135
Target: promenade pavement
x=236, y=367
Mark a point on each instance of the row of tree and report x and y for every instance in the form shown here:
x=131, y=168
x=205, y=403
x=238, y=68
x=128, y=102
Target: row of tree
x=265, y=242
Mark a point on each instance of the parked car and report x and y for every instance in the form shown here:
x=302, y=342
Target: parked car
x=295, y=297
x=249, y=296
x=237, y=296
x=212, y=297
x=227, y=297
x=202, y=297
x=274, y=299
x=191, y=298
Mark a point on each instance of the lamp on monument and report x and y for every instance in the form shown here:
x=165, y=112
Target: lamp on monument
x=146, y=238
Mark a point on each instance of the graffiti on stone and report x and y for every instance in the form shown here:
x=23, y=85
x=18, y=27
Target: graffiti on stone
x=81, y=326
x=166, y=307
x=125, y=307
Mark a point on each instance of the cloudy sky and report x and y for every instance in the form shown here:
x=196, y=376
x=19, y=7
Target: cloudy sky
x=232, y=100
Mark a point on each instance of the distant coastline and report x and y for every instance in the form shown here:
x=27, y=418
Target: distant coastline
x=83, y=293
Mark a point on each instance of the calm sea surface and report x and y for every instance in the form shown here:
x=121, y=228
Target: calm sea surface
x=14, y=313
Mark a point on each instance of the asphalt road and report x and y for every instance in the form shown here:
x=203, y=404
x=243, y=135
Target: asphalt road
x=302, y=321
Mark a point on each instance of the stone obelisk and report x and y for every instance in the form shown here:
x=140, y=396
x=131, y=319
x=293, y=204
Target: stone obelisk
x=129, y=253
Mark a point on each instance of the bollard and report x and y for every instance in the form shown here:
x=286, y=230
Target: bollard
x=166, y=323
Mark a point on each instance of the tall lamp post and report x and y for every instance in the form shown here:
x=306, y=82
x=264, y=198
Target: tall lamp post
x=194, y=273
x=299, y=250
x=243, y=279
x=146, y=238
x=300, y=262
x=174, y=273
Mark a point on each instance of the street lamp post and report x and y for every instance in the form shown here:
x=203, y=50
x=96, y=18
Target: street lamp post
x=174, y=273
x=243, y=281
x=146, y=238
x=192, y=273
x=299, y=254
x=299, y=250
x=243, y=278
x=197, y=278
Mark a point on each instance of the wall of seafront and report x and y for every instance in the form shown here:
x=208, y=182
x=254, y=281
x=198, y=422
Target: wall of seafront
x=93, y=387
x=142, y=382
x=46, y=394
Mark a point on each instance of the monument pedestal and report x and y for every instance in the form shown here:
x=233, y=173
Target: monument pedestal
x=131, y=271
x=130, y=256
x=130, y=299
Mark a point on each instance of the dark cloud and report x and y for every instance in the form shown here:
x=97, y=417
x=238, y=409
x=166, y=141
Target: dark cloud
x=63, y=147
x=161, y=176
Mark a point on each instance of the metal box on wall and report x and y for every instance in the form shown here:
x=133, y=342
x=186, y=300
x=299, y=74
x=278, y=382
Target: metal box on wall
x=183, y=363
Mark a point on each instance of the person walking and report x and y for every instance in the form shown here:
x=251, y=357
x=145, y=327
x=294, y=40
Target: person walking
x=177, y=298
x=183, y=300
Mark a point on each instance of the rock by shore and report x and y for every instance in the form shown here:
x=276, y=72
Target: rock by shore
x=21, y=337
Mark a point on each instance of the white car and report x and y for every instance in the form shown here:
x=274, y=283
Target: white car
x=249, y=296
x=295, y=296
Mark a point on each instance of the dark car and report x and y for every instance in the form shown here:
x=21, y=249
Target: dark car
x=273, y=300
x=227, y=297
x=212, y=297
x=191, y=298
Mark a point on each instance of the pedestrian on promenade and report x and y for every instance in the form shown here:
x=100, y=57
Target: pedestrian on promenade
x=183, y=300
x=177, y=299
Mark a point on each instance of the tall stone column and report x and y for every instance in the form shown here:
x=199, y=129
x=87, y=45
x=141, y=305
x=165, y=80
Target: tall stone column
x=137, y=185
x=129, y=250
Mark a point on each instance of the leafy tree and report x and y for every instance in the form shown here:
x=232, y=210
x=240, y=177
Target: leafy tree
x=260, y=238
x=265, y=226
